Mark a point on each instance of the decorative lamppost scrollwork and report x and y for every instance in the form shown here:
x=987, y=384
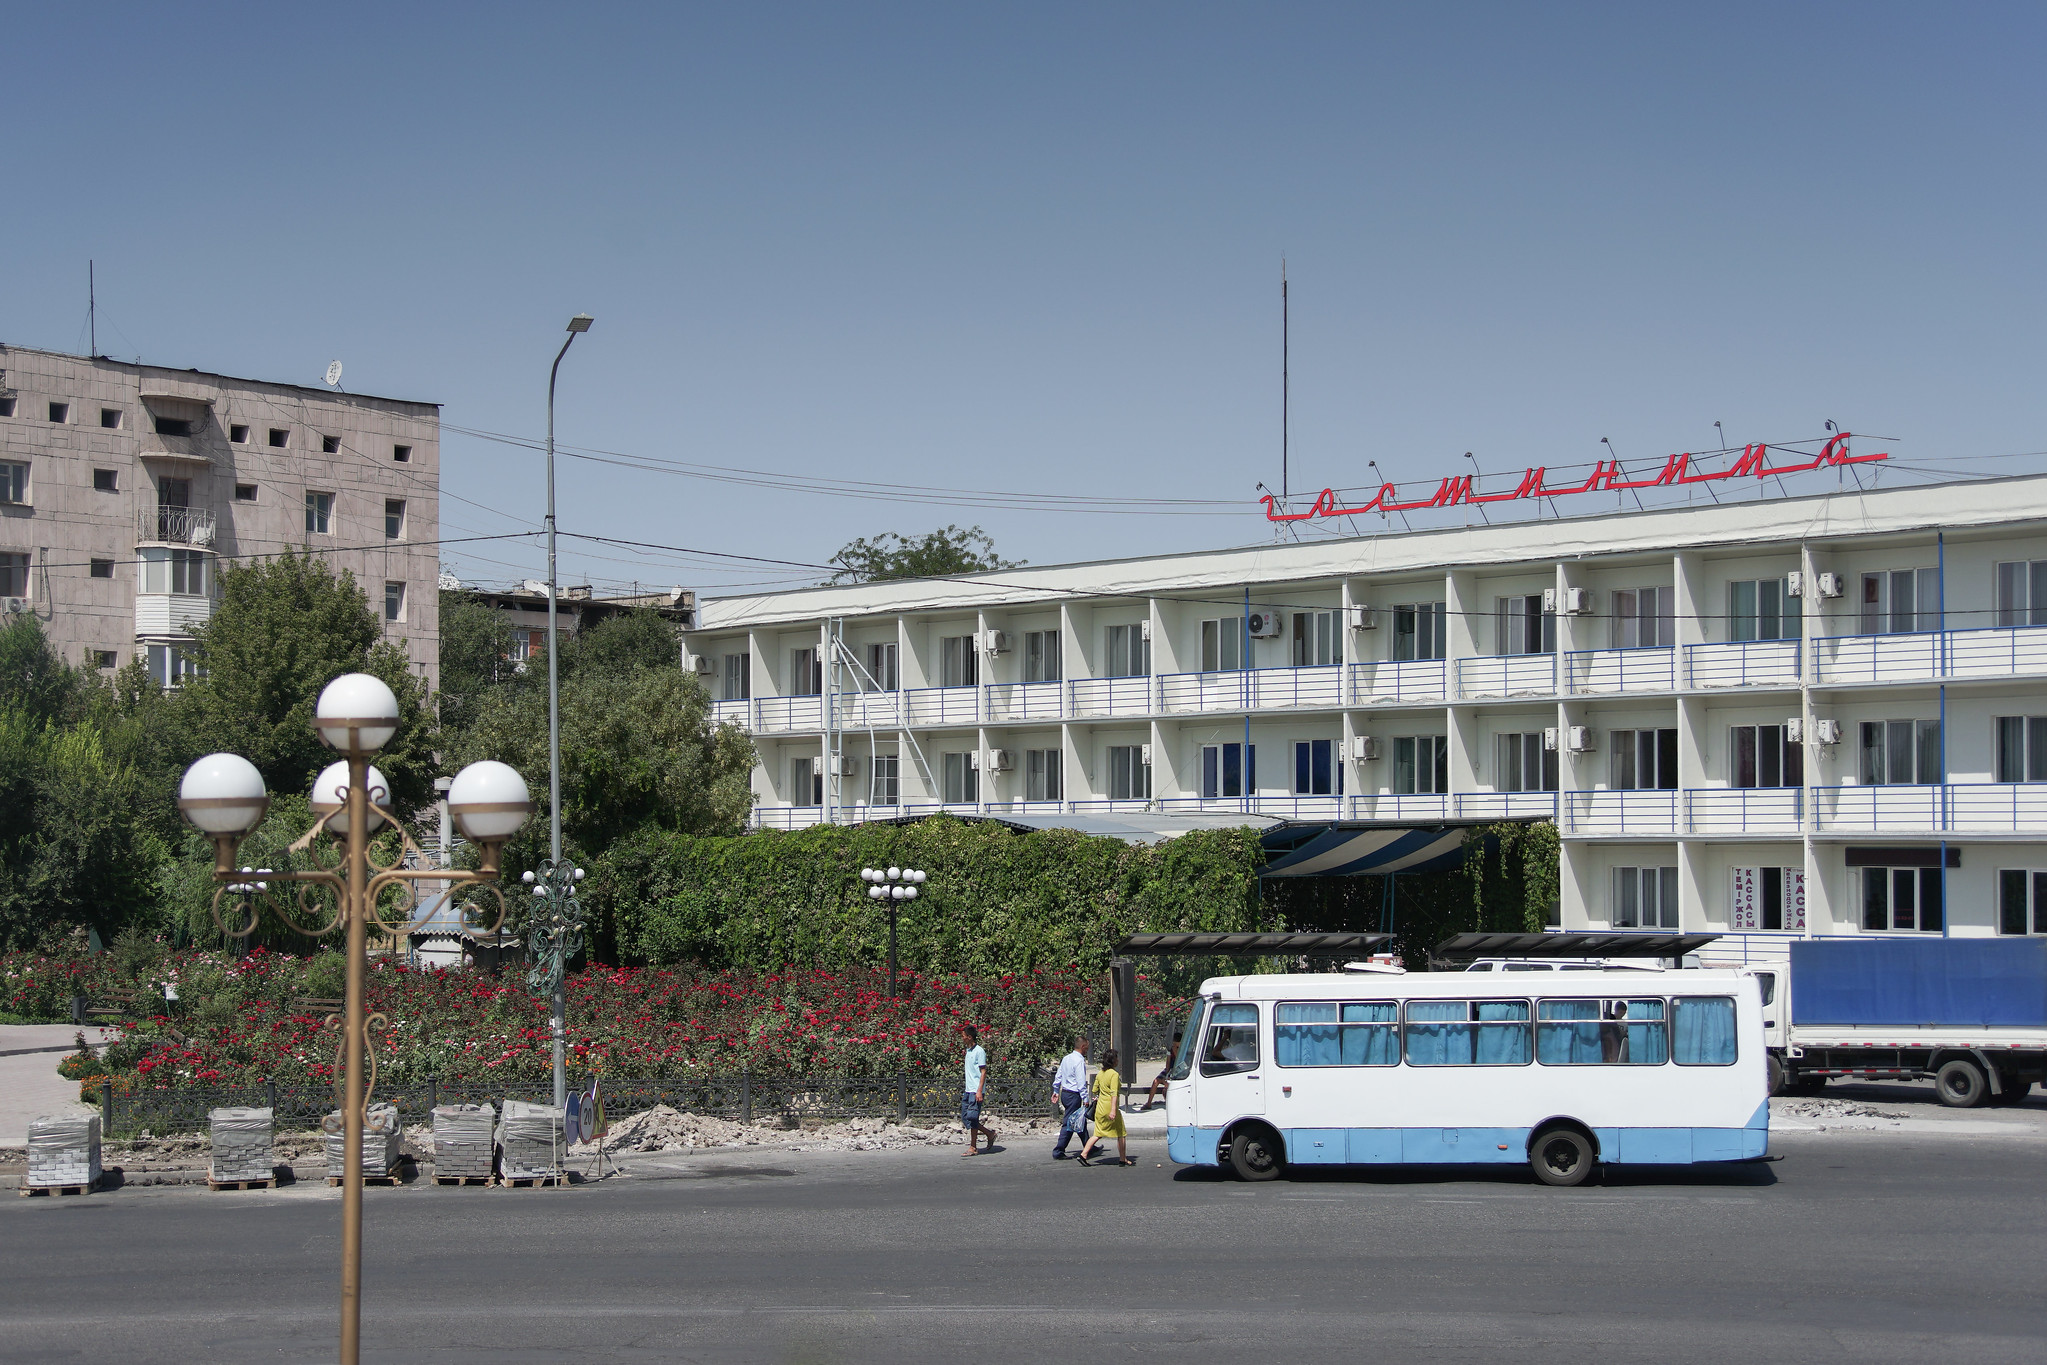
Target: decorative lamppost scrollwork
x=554, y=934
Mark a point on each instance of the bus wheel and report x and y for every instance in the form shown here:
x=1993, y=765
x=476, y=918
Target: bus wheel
x=1254, y=1155
x=1960, y=1084
x=1561, y=1156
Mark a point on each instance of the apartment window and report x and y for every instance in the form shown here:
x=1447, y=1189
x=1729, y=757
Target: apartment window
x=1643, y=760
x=110, y=420
x=238, y=432
x=1421, y=765
x=173, y=492
x=1041, y=656
x=1420, y=630
x=1768, y=899
x=806, y=781
x=1904, y=899
x=1316, y=643
x=806, y=673
x=1644, y=618
x=13, y=483
x=962, y=779
x=170, y=665
x=402, y=454
x=105, y=658
x=959, y=663
x=330, y=445
x=1900, y=753
x=1129, y=652
x=525, y=645
x=245, y=492
x=13, y=574
x=174, y=571
x=2022, y=593
x=2022, y=748
x=1223, y=770
x=394, y=601
x=319, y=509
x=1526, y=763
x=1222, y=644
x=1043, y=778
x=1129, y=773
x=1762, y=609
x=1762, y=756
x=1316, y=769
x=279, y=438
x=106, y=481
x=883, y=787
x=1645, y=898
x=7, y=405
x=738, y=674
x=882, y=671
x=1525, y=628
x=394, y=518
x=60, y=412
x=2021, y=901
x=103, y=568
x=1900, y=600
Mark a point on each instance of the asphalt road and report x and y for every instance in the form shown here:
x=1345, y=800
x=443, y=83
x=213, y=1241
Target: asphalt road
x=1918, y=1245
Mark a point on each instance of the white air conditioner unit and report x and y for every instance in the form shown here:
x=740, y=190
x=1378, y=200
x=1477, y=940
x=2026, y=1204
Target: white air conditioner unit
x=974, y=760
x=843, y=766
x=1794, y=584
x=1144, y=754
x=13, y=604
x=1580, y=739
x=1794, y=731
x=1144, y=630
x=1830, y=585
x=1549, y=739
x=996, y=642
x=1549, y=600
x=1577, y=601
x=703, y=665
x=1265, y=623
x=1364, y=748
x=1000, y=761
x=1364, y=618
x=1827, y=731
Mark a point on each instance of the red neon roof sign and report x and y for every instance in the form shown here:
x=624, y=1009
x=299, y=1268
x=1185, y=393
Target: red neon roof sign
x=1461, y=489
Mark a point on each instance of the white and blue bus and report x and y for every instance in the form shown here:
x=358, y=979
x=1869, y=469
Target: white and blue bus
x=1563, y=1070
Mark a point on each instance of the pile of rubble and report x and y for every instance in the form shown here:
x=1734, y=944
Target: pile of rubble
x=662, y=1129
x=1823, y=1109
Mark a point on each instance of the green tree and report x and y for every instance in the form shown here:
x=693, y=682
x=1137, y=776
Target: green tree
x=33, y=679
x=476, y=654
x=877, y=559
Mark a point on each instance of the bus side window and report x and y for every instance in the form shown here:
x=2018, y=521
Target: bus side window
x=1768, y=981
x=1232, y=1040
x=1702, y=1030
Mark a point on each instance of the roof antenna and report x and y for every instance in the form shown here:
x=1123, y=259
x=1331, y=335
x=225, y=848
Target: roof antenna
x=1285, y=383
x=1373, y=465
x=92, y=309
x=1476, y=475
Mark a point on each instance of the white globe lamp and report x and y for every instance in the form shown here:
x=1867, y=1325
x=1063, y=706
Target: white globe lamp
x=356, y=714
x=223, y=794
x=330, y=796
x=488, y=801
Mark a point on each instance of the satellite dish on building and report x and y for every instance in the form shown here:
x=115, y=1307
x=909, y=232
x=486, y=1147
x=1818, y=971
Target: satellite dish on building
x=333, y=374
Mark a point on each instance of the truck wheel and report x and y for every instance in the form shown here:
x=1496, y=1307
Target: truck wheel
x=1776, y=1073
x=2014, y=1093
x=1254, y=1155
x=1960, y=1084
x=1561, y=1156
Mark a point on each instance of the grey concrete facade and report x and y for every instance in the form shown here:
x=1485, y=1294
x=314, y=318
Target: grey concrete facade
x=123, y=487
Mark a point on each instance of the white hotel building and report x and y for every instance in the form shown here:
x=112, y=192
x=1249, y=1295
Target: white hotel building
x=1767, y=716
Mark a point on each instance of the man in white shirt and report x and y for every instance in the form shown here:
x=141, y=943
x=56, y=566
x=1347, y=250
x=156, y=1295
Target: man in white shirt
x=1069, y=1087
x=970, y=1098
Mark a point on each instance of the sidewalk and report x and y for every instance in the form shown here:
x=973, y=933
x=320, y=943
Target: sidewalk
x=29, y=1084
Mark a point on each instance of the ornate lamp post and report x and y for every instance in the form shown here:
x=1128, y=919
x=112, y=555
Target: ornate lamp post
x=894, y=886
x=554, y=934
x=223, y=795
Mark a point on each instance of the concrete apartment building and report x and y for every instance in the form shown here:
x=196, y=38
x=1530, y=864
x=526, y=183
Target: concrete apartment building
x=1770, y=717
x=123, y=487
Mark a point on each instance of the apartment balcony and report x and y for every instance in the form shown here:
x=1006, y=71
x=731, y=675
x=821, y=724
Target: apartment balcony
x=160, y=615
x=1931, y=656
x=1097, y=698
x=1648, y=813
x=779, y=715
x=1744, y=810
x=870, y=710
x=1396, y=683
x=1507, y=675
x=1009, y=703
x=1505, y=805
x=191, y=526
x=1595, y=671
x=1984, y=808
x=1745, y=663
x=739, y=712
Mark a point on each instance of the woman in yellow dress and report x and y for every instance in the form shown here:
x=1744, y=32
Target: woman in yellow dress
x=1108, y=1116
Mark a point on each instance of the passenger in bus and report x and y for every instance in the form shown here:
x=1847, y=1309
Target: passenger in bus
x=1613, y=1036
x=1108, y=1117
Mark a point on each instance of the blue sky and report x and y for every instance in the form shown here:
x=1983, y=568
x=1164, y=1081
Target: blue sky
x=1037, y=249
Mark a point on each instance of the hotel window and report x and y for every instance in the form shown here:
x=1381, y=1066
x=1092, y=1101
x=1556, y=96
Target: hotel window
x=959, y=664
x=13, y=483
x=806, y=673
x=962, y=778
x=1900, y=753
x=1420, y=630
x=882, y=673
x=1644, y=618
x=1761, y=756
x=806, y=781
x=1645, y=898
x=1222, y=644
x=394, y=601
x=1421, y=765
x=2022, y=748
x=1043, y=778
x=1316, y=769
x=1899, y=601
x=170, y=665
x=883, y=788
x=1129, y=774
x=1768, y=899
x=1905, y=899
x=738, y=677
x=1643, y=760
x=1316, y=643
x=1525, y=628
x=319, y=509
x=174, y=571
x=2022, y=593
x=1526, y=764
x=13, y=574
x=1041, y=656
x=2021, y=901
x=394, y=518
x=1223, y=771
x=1762, y=609
x=1129, y=652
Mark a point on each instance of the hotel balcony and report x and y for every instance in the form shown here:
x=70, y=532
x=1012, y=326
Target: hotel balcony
x=1507, y=675
x=1593, y=671
x=1745, y=663
x=1930, y=656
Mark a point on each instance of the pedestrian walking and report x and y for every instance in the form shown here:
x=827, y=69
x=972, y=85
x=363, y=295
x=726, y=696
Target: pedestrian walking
x=970, y=1098
x=1069, y=1087
x=1108, y=1115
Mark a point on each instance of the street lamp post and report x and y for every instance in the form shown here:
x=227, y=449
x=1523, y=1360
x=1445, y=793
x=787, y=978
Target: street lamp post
x=558, y=905
x=224, y=796
x=554, y=934
x=894, y=886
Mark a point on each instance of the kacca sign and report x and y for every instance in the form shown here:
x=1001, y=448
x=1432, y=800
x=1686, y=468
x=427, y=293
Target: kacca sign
x=1607, y=476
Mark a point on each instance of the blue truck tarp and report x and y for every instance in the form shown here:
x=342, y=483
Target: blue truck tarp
x=1976, y=982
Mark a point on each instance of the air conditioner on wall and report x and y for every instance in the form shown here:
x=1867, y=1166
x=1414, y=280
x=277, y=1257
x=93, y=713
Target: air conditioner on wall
x=1580, y=739
x=1000, y=761
x=843, y=766
x=1549, y=600
x=1794, y=584
x=996, y=642
x=1794, y=731
x=12, y=604
x=1827, y=731
x=1144, y=630
x=1144, y=754
x=1577, y=601
x=1364, y=748
x=1364, y=618
x=1549, y=738
x=1830, y=585
x=703, y=665
x=1264, y=623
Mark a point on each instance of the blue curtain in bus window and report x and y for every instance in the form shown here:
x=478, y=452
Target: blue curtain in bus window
x=1371, y=1039
x=1437, y=1034
x=1705, y=1031
x=1503, y=1032
x=1305, y=1035
x=1648, y=1043
x=1561, y=1039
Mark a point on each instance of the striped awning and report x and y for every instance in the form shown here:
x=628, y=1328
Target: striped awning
x=1372, y=851
x=1277, y=945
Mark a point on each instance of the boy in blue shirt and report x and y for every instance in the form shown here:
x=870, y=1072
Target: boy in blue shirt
x=970, y=1098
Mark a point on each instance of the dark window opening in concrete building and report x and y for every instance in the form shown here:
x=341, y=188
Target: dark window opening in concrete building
x=106, y=481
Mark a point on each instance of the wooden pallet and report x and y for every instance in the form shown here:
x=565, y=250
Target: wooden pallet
x=28, y=1189
x=535, y=1181
x=262, y=1184
x=464, y=1179
x=390, y=1177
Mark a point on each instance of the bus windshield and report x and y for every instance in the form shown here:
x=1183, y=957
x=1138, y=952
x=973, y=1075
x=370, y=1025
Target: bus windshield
x=1189, y=1037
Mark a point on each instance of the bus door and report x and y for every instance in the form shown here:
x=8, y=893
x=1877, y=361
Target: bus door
x=1232, y=1066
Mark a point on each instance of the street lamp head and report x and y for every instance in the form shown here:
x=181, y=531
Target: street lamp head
x=895, y=874
x=917, y=877
x=488, y=800
x=356, y=714
x=526, y=877
x=330, y=797
x=581, y=322
x=223, y=794
x=876, y=892
x=910, y=893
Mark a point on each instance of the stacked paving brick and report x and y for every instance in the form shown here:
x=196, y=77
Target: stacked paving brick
x=529, y=1141
x=380, y=1139
x=464, y=1140
x=241, y=1145
x=63, y=1150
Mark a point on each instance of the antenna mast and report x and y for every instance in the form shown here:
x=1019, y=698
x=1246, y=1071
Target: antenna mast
x=1285, y=394
x=92, y=325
